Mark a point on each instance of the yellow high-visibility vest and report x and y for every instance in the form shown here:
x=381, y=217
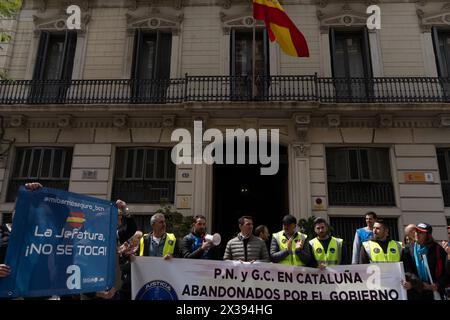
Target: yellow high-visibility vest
x=169, y=244
x=292, y=259
x=332, y=256
x=377, y=255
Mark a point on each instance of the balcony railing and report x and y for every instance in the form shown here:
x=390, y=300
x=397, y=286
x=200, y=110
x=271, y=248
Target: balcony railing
x=144, y=191
x=227, y=88
x=361, y=193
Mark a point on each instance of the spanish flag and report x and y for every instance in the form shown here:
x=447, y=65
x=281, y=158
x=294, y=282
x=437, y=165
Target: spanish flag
x=280, y=27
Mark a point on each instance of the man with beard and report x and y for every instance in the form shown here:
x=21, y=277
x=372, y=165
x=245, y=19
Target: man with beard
x=194, y=245
x=380, y=249
x=327, y=250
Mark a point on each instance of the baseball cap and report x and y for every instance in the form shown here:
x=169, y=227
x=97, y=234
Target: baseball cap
x=424, y=227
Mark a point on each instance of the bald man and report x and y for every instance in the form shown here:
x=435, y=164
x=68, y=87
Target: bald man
x=410, y=237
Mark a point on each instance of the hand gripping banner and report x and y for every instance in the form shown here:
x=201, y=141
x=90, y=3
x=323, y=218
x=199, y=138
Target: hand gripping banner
x=62, y=243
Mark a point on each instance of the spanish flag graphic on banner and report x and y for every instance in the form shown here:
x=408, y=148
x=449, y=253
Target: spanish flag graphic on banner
x=280, y=27
x=76, y=219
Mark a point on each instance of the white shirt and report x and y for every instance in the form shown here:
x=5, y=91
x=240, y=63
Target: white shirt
x=157, y=240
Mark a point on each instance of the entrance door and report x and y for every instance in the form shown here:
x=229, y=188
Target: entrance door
x=241, y=190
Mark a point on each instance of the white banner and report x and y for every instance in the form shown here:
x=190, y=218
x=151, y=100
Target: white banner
x=189, y=279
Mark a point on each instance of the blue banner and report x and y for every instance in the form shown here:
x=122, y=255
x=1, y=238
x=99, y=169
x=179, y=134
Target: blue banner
x=62, y=243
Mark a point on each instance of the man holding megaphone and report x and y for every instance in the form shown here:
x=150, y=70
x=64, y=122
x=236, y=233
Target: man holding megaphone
x=198, y=244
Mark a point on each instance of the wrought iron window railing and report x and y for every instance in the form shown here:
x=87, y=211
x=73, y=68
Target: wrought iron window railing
x=361, y=193
x=227, y=88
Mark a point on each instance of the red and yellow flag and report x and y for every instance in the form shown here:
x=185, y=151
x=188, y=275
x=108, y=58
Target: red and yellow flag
x=280, y=27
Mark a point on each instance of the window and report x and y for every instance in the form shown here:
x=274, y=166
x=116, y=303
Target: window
x=443, y=156
x=351, y=64
x=359, y=177
x=151, y=65
x=442, y=49
x=49, y=166
x=144, y=175
x=345, y=229
x=441, y=40
x=54, y=61
x=242, y=63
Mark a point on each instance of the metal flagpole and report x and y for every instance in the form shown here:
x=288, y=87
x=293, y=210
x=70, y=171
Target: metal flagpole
x=254, y=58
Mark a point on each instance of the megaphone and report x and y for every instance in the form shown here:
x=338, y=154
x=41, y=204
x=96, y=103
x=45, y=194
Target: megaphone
x=214, y=238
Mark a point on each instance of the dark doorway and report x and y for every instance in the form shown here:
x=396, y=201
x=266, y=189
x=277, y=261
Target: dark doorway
x=241, y=190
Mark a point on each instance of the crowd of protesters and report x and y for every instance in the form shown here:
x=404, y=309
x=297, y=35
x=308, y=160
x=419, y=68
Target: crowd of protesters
x=426, y=262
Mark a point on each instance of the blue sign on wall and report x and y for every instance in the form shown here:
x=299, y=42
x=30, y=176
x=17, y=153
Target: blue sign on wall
x=62, y=243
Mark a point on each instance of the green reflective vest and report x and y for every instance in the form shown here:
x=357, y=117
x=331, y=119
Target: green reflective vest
x=377, y=255
x=333, y=255
x=292, y=259
x=169, y=244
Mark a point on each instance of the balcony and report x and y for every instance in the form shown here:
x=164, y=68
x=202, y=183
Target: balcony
x=227, y=88
x=361, y=193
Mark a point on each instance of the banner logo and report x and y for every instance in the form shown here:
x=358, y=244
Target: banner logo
x=157, y=290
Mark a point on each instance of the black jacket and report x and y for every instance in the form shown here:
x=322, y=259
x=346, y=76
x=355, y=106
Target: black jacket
x=4, y=238
x=187, y=251
x=437, y=260
x=127, y=229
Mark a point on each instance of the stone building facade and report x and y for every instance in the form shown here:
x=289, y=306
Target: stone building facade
x=364, y=121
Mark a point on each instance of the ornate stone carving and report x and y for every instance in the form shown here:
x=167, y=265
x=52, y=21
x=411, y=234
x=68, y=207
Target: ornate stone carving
x=334, y=120
x=302, y=122
x=226, y=4
x=132, y=5
x=322, y=3
x=302, y=119
x=203, y=117
x=440, y=18
x=120, y=121
x=65, y=121
x=41, y=5
x=168, y=121
x=155, y=20
x=83, y=4
x=5, y=144
x=58, y=22
x=421, y=2
x=18, y=121
x=385, y=120
x=178, y=4
x=241, y=21
x=444, y=120
x=344, y=17
x=371, y=2
x=301, y=150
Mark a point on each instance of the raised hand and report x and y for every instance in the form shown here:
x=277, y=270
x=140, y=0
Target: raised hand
x=33, y=186
x=4, y=270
